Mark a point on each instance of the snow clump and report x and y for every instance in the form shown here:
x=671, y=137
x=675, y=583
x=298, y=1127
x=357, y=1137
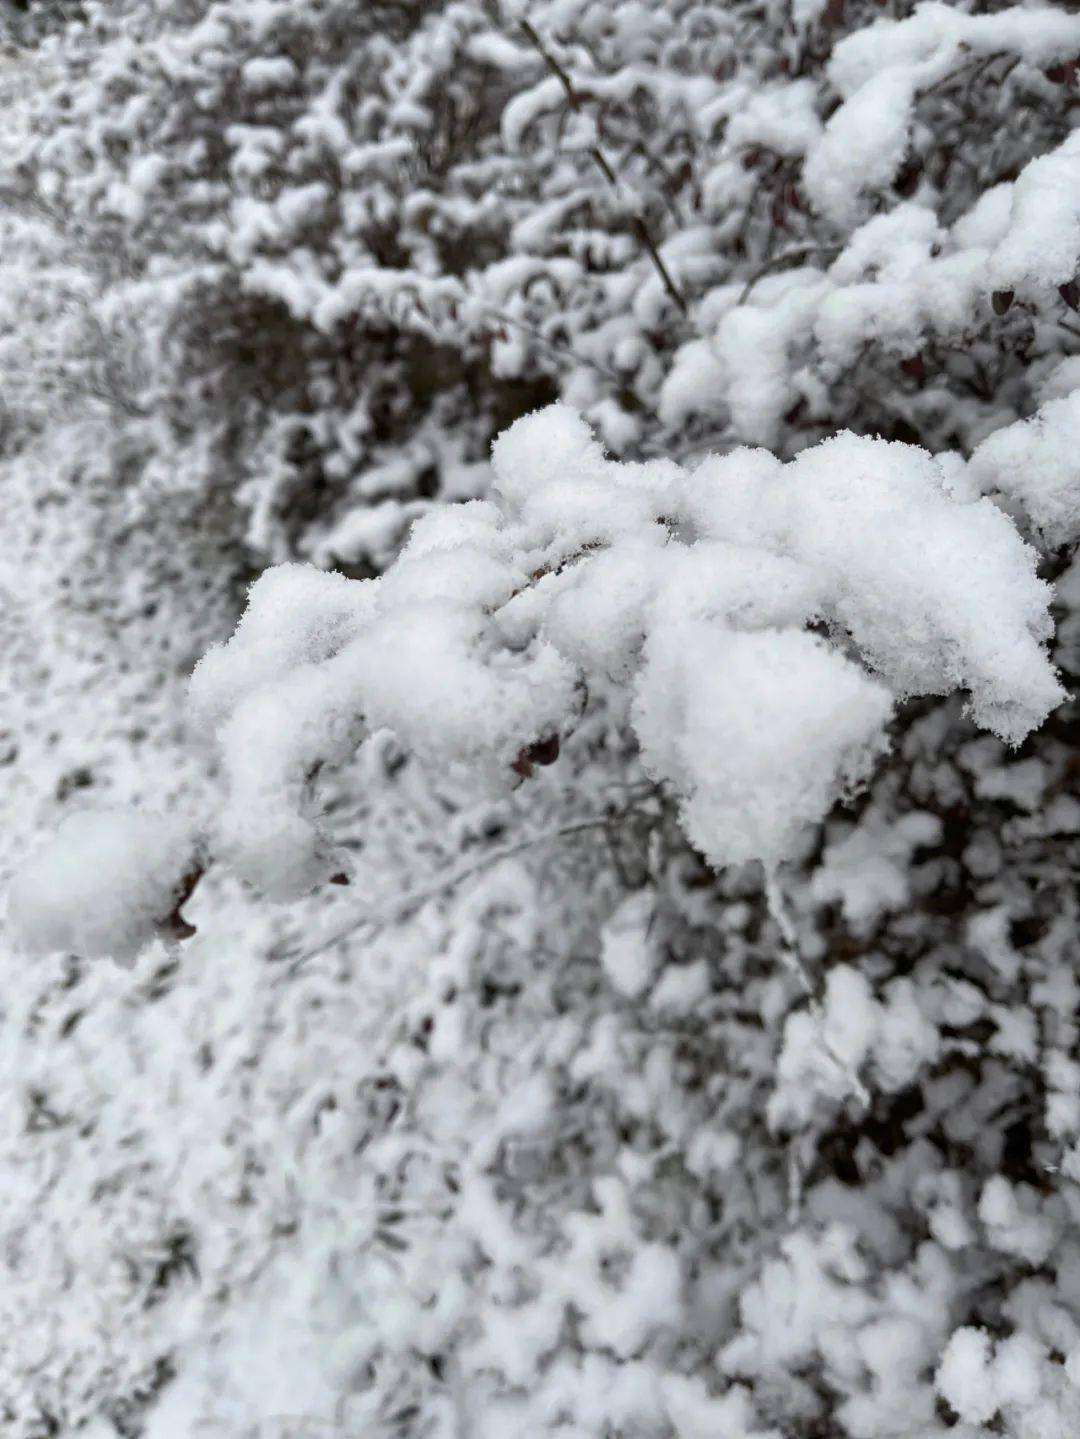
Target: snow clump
x=761, y=619
x=106, y=885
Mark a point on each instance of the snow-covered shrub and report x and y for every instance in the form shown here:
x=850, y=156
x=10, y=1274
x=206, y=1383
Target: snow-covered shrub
x=925, y=288
x=692, y=590
x=310, y=260
x=223, y=253
x=297, y=265
x=554, y=1119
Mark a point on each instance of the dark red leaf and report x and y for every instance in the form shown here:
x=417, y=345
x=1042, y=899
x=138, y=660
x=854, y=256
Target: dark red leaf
x=545, y=751
x=915, y=367
x=542, y=752
x=1063, y=73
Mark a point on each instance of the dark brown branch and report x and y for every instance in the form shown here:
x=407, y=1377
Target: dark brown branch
x=604, y=166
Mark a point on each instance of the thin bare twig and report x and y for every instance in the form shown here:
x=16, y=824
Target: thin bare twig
x=812, y=986
x=377, y=919
x=604, y=165
x=567, y=349
x=777, y=262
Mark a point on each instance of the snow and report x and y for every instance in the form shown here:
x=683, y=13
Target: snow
x=525, y=109
x=695, y=385
x=863, y=145
x=105, y=886
x=1033, y=462
x=269, y=72
x=476, y=642
x=880, y=70
x=635, y=991
x=1014, y=1215
x=963, y=1377
x=869, y=576
x=625, y=952
x=867, y=870
x=978, y=1379
x=783, y=118
x=755, y=343
x=1041, y=243
x=705, y=702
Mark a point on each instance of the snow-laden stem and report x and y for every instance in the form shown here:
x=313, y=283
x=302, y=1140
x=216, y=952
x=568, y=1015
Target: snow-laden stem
x=792, y=957
x=781, y=917
x=376, y=919
x=604, y=165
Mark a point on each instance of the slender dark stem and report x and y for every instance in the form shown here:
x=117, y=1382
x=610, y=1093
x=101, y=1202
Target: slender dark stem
x=612, y=376
x=777, y=262
x=604, y=166
x=375, y=919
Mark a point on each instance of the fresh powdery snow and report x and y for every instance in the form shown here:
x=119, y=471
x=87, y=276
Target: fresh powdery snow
x=540, y=628
x=107, y=885
x=1033, y=463
x=765, y=619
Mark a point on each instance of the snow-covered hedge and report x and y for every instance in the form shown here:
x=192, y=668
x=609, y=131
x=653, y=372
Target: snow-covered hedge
x=668, y=1027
